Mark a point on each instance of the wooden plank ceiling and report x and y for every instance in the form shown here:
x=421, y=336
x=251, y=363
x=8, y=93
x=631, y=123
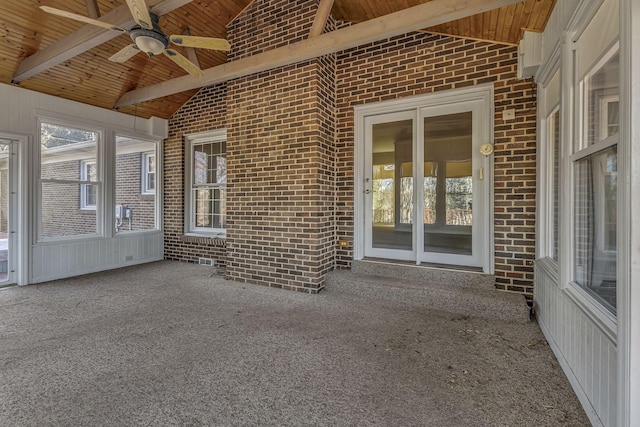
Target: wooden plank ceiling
x=505, y=25
x=92, y=79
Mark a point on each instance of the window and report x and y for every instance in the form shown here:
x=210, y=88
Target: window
x=135, y=190
x=206, y=180
x=88, y=194
x=610, y=117
x=595, y=181
x=553, y=139
x=149, y=173
x=70, y=180
x=549, y=168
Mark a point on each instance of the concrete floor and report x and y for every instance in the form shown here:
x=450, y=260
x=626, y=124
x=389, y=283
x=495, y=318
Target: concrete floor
x=175, y=344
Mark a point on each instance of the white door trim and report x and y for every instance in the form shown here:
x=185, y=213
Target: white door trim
x=482, y=93
x=18, y=220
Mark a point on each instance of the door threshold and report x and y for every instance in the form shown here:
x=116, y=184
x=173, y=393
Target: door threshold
x=452, y=267
x=444, y=275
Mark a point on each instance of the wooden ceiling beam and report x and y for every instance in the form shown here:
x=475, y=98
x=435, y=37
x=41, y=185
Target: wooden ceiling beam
x=320, y=20
x=93, y=10
x=411, y=19
x=86, y=38
x=239, y=14
x=191, y=52
x=165, y=6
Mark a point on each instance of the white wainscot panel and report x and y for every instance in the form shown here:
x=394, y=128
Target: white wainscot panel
x=587, y=355
x=57, y=260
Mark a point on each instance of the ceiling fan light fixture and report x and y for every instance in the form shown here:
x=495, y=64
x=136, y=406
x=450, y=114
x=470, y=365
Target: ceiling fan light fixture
x=150, y=45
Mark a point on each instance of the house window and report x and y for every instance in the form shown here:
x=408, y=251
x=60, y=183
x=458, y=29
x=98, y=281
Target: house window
x=136, y=207
x=149, y=173
x=553, y=129
x=88, y=192
x=70, y=184
x=206, y=181
x=595, y=181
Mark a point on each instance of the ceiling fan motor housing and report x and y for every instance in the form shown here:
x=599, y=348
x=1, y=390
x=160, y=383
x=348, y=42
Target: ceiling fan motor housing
x=151, y=41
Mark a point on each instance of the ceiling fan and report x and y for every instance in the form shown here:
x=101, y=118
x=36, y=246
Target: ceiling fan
x=149, y=38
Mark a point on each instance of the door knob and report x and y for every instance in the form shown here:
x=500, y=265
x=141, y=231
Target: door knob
x=367, y=191
x=486, y=149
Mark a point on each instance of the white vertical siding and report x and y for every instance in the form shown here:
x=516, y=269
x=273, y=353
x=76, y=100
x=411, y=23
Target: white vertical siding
x=586, y=353
x=558, y=21
x=583, y=342
x=65, y=259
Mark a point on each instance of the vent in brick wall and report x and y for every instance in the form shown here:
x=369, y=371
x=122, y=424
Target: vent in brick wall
x=206, y=261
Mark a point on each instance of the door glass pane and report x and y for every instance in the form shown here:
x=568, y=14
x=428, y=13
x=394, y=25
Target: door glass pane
x=392, y=185
x=4, y=209
x=448, y=184
x=430, y=193
x=459, y=188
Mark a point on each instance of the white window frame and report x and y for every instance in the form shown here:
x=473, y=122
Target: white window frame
x=549, y=251
x=550, y=95
x=144, y=180
x=128, y=143
x=50, y=118
x=604, y=119
x=219, y=135
x=84, y=178
x=606, y=319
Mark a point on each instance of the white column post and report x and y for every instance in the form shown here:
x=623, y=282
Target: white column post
x=629, y=225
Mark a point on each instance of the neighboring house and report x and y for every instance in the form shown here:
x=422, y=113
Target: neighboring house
x=517, y=163
x=71, y=177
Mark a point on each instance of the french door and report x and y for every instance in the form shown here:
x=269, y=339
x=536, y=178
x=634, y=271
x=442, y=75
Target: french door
x=426, y=184
x=8, y=159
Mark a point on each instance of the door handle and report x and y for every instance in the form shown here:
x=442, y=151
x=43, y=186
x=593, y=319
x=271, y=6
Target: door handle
x=367, y=191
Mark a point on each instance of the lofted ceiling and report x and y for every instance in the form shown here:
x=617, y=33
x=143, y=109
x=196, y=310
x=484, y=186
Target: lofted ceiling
x=504, y=25
x=90, y=78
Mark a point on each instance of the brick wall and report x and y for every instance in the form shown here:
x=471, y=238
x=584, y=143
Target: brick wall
x=420, y=63
x=515, y=185
x=326, y=110
x=290, y=151
x=269, y=24
x=61, y=212
x=206, y=111
x=128, y=192
x=280, y=155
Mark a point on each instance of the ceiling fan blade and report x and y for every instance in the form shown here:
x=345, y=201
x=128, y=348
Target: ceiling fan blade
x=140, y=13
x=201, y=42
x=183, y=62
x=125, y=53
x=81, y=18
